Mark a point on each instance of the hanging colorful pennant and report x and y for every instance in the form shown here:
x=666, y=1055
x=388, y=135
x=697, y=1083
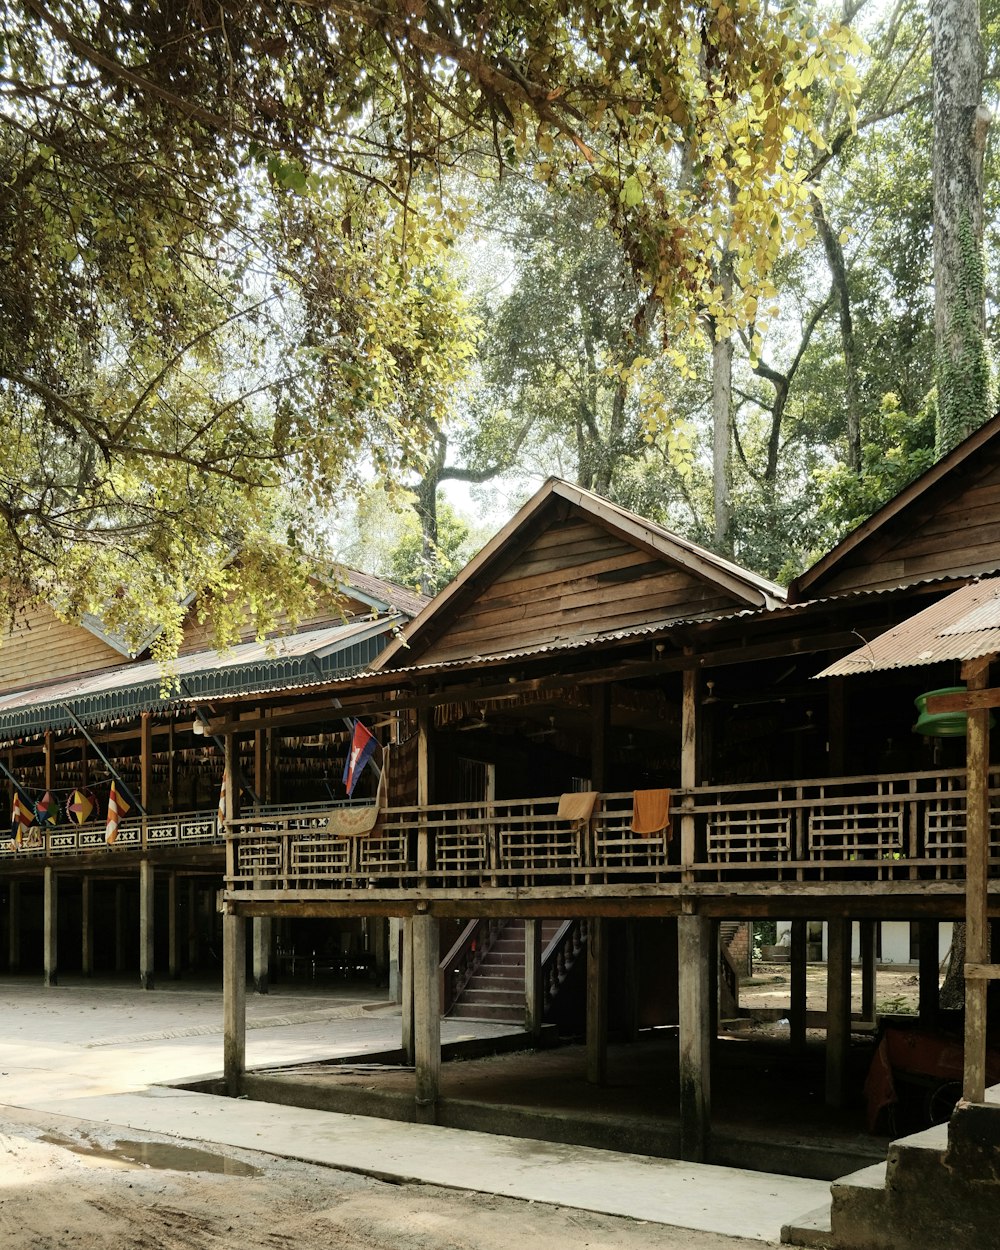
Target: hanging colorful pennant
x=363, y=744
x=20, y=818
x=118, y=809
x=46, y=810
x=222, y=805
x=80, y=806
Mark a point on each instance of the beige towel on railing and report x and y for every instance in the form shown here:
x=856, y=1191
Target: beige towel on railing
x=650, y=812
x=577, y=807
x=356, y=822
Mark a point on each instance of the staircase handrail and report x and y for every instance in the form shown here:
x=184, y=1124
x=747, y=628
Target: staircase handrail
x=560, y=954
x=462, y=961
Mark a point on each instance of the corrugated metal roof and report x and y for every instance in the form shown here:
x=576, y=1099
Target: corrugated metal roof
x=965, y=625
x=314, y=657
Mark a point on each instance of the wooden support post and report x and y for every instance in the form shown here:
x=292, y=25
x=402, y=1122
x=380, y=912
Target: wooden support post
x=797, y=1004
x=631, y=987
x=234, y=1018
x=50, y=761
x=395, y=959
x=977, y=850
x=867, y=933
x=173, y=929
x=87, y=925
x=147, y=883
x=426, y=1016
x=119, y=926
x=694, y=953
x=261, y=954
x=425, y=764
x=534, y=997
x=597, y=1000
x=689, y=768
x=600, y=727
x=928, y=971
x=836, y=723
x=838, y=1010
x=714, y=959
x=51, y=926
x=192, y=923
x=406, y=1039
x=14, y=925
x=261, y=780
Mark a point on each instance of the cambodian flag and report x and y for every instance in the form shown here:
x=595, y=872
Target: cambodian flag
x=362, y=745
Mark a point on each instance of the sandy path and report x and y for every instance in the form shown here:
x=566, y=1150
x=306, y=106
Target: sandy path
x=52, y=1196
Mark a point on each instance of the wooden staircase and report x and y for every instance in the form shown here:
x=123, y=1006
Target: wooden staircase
x=483, y=975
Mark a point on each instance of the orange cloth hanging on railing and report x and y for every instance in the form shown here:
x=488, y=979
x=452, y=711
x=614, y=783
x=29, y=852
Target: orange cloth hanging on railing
x=650, y=812
x=577, y=806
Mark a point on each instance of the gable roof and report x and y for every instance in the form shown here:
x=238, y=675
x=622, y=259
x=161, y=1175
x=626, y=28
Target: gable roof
x=609, y=577
x=902, y=524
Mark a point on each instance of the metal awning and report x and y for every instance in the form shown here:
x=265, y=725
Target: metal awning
x=312, y=657
x=964, y=625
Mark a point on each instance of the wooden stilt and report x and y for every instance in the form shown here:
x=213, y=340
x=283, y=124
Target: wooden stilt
x=534, y=1003
x=977, y=850
x=689, y=766
x=867, y=946
x=261, y=954
x=797, y=1004
x=406, y=1039
x=838, y=1010
x=173, y=929
x=426, y=1016
x=234, y=976
x=597, y=1001
x=51, y=926
x=632, y=948
x=119, y=926
x=929, y=970
x=87, y=925
x=146, y=924
x=694, y=948
x=14, y=925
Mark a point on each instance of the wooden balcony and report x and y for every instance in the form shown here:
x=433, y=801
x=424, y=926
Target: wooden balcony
x=905, y=831
x=135, y=833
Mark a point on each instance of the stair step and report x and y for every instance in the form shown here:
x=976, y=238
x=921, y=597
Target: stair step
x=812, y=1229
x=484, y=1011
x=498, y=995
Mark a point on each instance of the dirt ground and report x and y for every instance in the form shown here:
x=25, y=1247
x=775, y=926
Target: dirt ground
x=896, y=989
x=72, y=1185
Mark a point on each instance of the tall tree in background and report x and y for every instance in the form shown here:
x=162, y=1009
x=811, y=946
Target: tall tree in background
x=961, y=120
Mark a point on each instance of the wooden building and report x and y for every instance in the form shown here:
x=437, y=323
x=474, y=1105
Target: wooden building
x=79, y=712
x=588, y=652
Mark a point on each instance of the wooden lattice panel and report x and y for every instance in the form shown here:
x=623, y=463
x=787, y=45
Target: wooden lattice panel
x=318, y=857
x=257, y=857
x=382, y=855
x=851, y=831
x=746, y=837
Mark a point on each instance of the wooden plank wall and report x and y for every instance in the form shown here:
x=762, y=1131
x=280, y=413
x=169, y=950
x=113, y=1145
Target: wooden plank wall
x=572, y=581
x=198, y=635
x=958, y=531
x=42, y=648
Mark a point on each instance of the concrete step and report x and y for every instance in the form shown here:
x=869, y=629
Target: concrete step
x=493, y=995
x=812, y=1229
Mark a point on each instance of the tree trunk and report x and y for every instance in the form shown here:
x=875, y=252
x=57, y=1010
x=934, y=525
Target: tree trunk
x=722, y=421
x=960, y=124
x=952, y=995
x=838, y=275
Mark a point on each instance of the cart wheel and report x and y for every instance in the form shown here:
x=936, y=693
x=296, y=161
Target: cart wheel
x=941, y=1101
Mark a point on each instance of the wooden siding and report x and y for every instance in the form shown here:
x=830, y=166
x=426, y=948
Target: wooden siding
x=41, y=648
x=574, y=580
x=953, y=530
x=198, y=634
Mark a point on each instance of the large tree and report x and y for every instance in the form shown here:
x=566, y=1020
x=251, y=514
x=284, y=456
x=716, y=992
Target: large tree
x=225, y=233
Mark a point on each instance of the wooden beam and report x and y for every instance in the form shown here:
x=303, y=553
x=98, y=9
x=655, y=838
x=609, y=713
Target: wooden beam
x=689, y=767
x=977, y=850
x=50, y=922
x=147, y=944
x=534, y=997
x=970, y=701
x=982, y=972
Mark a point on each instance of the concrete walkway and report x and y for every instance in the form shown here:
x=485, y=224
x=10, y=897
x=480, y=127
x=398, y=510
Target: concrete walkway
x=107, y=1055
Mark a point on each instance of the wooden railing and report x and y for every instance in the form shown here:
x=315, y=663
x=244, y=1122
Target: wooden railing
x=892, y=827
x=465, y=958
x=134, y=833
